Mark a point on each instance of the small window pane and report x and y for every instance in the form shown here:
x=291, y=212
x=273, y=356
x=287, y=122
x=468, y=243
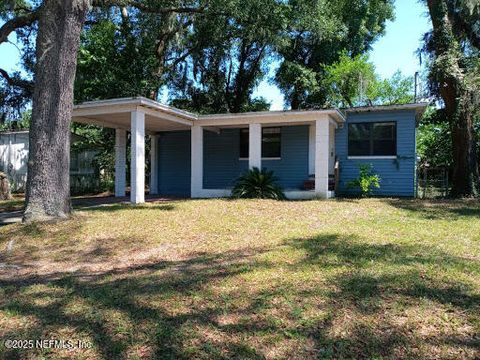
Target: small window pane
x=271, y=143
x=384, y=148
x=384, y=139
x=244, y=143
x=359, y=148
x=359, y=132
x=384, y=131
x=359, y=139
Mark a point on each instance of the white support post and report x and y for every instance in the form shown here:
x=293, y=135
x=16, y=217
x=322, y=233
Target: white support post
x=137, y=178
x=322, y=144
x=153, y=164
x=255, y=146
x=120, y=161
x=196, y=161
x=311, y=149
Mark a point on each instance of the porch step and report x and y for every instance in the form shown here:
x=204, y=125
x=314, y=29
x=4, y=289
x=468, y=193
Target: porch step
x=310, y=183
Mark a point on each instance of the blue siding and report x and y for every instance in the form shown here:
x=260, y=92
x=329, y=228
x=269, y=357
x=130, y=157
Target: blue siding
x=174, y=163
x=222, y=165
x=398, y=175
x=292, y=169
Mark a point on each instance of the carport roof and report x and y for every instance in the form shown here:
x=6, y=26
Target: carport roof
x=115, y=113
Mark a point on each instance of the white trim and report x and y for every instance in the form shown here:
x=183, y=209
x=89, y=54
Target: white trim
x=269, y=118
x=14, y=132
x=307, y=195
x=213, y=193
x=322, y=144
x=414, y=106
x=290, y=194
x=120, y=104
x=373, y=157
x=196, y=180
x=137, y=167
x=312, y=114
x=88, y=112
x=155, y=108
x=255, y=146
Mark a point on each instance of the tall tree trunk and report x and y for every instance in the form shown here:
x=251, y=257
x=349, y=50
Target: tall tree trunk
x=58, y=40
x=456, y=94
x=295, y=102
x=465, y=162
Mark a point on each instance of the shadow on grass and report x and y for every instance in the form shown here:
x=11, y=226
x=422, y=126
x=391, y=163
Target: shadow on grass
x=439, y=209
x=174, y=309
x=11, y=205
x=121, y=207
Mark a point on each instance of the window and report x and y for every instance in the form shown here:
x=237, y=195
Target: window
x=372, y=139
x=244, y=143
x=271, y=143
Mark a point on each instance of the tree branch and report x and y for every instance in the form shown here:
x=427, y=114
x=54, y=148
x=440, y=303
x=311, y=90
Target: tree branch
x=146, y=8
x=17, y=23
x=12, y=81
x=468, y=29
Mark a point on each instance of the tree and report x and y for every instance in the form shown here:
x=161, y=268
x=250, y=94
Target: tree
x=318, y=33
x=224, y=56
x=116, y=42
x=350, y=81
x=453, y=47
x=353, y=82
x=57, y=41
x=434, y=145
x=399, y=89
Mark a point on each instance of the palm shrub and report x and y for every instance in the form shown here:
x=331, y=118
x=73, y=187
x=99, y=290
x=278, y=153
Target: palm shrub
x=366, y=180
x=258, y=184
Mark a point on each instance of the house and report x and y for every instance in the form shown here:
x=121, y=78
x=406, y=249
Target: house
x=201, y=156
x=14, y=147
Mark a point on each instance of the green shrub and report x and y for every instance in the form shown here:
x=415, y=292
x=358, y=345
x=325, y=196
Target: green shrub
x=257, y=184
x=366, y=180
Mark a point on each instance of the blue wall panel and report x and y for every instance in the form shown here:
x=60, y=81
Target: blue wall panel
x=292, y=169
x=222, y=165
x=398, y=175
x=174, y=163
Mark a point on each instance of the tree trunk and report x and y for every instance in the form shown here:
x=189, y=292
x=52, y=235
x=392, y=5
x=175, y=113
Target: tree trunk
x=58, y=40
x=456, y=94
x=465, y=165
x=295, y=103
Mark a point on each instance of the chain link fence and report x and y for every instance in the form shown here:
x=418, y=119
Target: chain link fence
x=432, y=182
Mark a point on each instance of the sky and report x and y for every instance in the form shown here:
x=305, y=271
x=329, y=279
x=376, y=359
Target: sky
x=394, y=51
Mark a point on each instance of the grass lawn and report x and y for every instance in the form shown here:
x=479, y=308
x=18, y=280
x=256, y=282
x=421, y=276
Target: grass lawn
x=16, y=203
x=375, y=278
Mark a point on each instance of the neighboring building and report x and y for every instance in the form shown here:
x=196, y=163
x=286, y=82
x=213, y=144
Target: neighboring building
x=202, y=156
x=14, y=158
